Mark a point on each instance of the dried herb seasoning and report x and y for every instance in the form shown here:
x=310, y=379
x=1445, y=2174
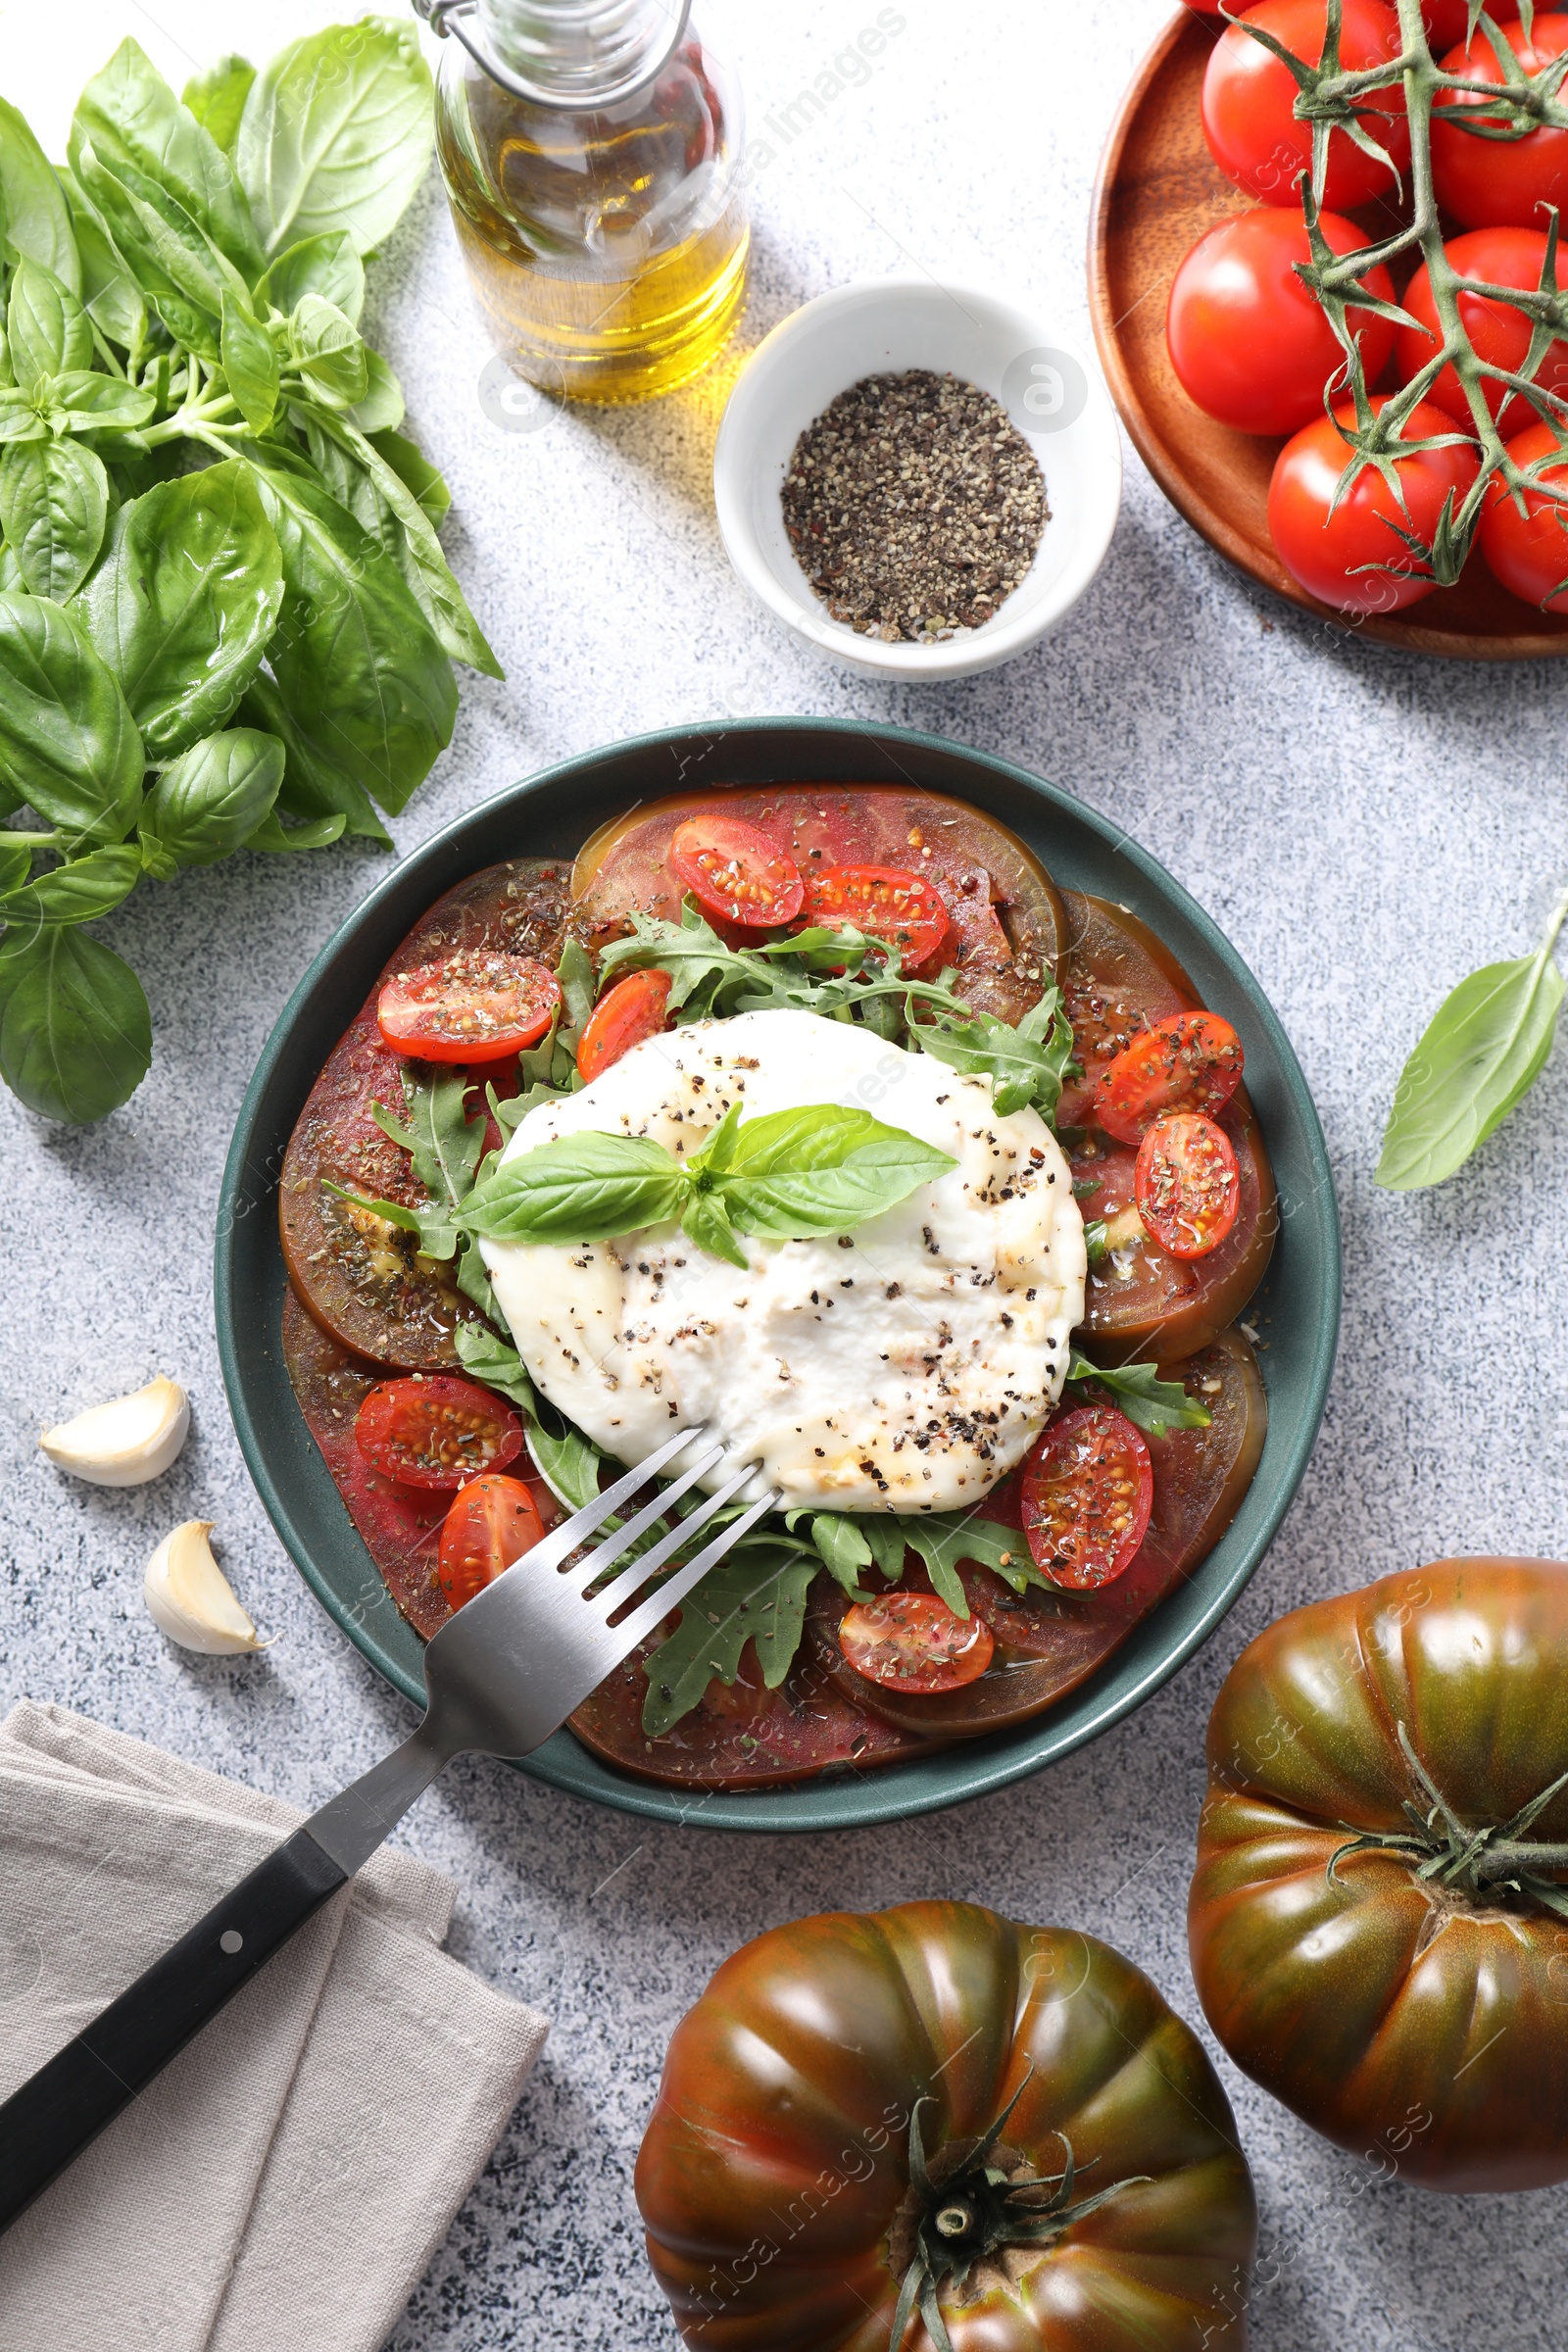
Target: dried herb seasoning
x=914, y=505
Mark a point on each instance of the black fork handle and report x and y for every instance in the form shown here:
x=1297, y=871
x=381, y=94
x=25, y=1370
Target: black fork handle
x=66, y=2103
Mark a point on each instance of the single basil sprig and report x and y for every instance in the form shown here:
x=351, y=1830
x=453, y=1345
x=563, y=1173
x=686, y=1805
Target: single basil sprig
x=1156, y=1405
x=781, y=1177
x=1481, y=1053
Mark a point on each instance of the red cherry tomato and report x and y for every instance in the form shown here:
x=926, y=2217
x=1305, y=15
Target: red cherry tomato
x=493, y=1522
x=1248, y=342
x=1328, y=552
x=735, y=872
x=1187, y=1184
x=436, y=1430
x=1448, y=21
x=635, y=1009
x=903, y=910
x=1087, y=1489
x=1188, y=1061
x=1249, y=101
x=1529, y=553
x=913, y=1641
x=1499, y=333
x=1498, y=183
x=477, y=1005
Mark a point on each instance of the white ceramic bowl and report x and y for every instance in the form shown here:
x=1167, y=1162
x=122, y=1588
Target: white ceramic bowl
x=883, y=326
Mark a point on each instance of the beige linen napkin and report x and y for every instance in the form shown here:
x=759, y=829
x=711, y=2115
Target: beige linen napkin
x=284, y=2183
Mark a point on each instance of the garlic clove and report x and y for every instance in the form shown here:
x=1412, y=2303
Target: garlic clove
x=127, y=1441
x=190, y=1597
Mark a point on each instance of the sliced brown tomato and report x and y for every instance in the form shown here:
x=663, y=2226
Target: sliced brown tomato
x=1046, y=1642
x=1008, y=930
x=477, y=1005
x=1087, y=1489
x=433, y=1429
x=735, y=872
x=400, y=1526
x=915, y=1642
x=360, y=1277
x=1187, y=1184
x=903, y=910
x=1187, y=1062
x=634, y=1009
x=492, y=1522
x=1117, y=980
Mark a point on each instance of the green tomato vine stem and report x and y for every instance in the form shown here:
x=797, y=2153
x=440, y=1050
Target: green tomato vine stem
x=1330, y=100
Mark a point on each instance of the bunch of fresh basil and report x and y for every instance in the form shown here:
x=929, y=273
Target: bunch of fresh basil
x=225, y=620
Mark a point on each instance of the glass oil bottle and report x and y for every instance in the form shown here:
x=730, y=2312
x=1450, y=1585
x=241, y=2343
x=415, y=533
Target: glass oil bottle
x=591, y=151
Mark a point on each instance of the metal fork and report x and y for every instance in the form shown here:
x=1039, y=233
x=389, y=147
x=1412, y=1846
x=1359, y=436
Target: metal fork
x=500, y=1677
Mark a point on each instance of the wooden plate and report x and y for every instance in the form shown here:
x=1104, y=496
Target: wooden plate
x=1158, y=191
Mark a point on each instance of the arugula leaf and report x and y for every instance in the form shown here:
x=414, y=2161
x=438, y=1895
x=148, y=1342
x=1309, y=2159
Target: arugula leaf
x=217, y=98
x=215, y=796
x=442, y=1141
x=496, y=1362
x=1479, y=1055
x=54, y=504
x=35, y=222
x=841, y=1545
x=580, y=1188
x=67, y=739
x=758, y=1594
x=569, y=1464
x=1155, y=1404
x=78, y=892
x=575, y=973
x=1026, y=1064
x=948, y=1537
x=336, y=134
x=75, y=1036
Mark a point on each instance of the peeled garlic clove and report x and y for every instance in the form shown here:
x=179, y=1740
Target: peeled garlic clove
x=190, y=1597
x=127, y=1441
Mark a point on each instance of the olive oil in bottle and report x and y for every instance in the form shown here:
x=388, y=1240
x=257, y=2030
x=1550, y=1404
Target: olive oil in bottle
x=591, y=151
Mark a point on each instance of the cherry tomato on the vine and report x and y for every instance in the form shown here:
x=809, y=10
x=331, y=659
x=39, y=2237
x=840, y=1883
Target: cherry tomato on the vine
x=913, y=1641
x=477, y=1006
x=635, y=1009
x=1334, y=555
x=1249, y=104
x=1499, y=333
x=1492, y=183
x=735, y=872
x=1188, y=1061
x=1448, y=21
x=1187, y=1183
x=1251, y=345
x=492, y=1522
x=902, y=909
x=1529, y=553
x=1087, y=1489
x=436, y=1430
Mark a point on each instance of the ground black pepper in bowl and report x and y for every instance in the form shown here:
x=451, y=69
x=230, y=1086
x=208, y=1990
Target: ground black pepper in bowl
x=914, y=505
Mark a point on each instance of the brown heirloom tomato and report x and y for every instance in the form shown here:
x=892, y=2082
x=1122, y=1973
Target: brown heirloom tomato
x=1420, y=2022
x=777, y=2177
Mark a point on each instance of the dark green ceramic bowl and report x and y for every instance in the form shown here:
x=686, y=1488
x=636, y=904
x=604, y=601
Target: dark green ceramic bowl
x=550, y=815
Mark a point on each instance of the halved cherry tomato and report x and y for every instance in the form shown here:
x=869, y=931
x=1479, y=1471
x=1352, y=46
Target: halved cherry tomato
x=436, y=1432
x=477, y=1005
x=1187, y=1183
x=1087, y=1489
x=635, y=1009
x=735, y=872
x=913, y=1641
x=1188, y=1061
x=903, y=910
x=493, y=1522
x=1529, y=551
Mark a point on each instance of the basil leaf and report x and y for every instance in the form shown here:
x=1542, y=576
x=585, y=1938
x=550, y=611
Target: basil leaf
x=80, y=892
x=75, y=1036
x=182, y=271
x=186, y=638
x=575, y=974
x=580, y=1188
x=54, y=503
x=416, y=473
x=83, y=402
x=15, y=857
x=130, y=117
x=826, y=1198
x=326, y=264
x=1136, y=1389
x=354, y=656
x=216, y=99
x=315, y=787
x=20, y=420
x=326, y=349
x=485, y=1356
x=67, y=739
x=337, y=133
x=46, y=327
x=384, y=406
x=317, y=834
x=215, y=795
x=250, y=364
x=758, y=1594
x=35, y=222
x=1479, y=1055
x=704, y=1218
x=109, y=295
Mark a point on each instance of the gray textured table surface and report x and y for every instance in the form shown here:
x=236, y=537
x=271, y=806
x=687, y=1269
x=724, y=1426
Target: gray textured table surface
x=1365, y=827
